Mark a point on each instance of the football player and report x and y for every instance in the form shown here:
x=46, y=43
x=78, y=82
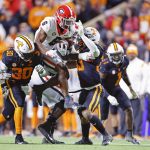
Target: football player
x=92, y=91
x=112, y=69
x=16, y=68
x=51, y=30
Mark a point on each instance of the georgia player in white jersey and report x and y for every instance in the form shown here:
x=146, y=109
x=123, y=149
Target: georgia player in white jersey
x=50, y=31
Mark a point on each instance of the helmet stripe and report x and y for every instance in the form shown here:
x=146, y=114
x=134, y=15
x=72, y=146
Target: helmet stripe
x=115, y=46
x=69, y=9
x=27, y=41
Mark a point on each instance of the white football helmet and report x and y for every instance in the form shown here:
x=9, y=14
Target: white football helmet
x=115, y=53
x=24, y=47
x=92, y=34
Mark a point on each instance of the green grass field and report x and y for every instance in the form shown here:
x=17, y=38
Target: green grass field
x=7, y=143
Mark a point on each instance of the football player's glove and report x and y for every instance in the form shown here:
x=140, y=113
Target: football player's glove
x=62, y=47
x=4, y=76
x=86, y=56
x=41, y=71
x=68, y=102
x=134, y=95
x=112, y=100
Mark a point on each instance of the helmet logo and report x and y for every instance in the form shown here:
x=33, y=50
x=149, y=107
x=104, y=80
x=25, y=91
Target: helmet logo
x=94, y=31
x=115, y=47
x=61, y=11
x=20, y=44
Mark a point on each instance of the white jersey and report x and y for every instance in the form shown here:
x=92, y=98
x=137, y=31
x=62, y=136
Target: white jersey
x=49, y=26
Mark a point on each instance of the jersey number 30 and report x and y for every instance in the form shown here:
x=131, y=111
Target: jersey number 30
x=22, y=73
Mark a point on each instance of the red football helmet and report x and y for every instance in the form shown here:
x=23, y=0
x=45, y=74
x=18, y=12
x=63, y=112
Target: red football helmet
x=65, y=16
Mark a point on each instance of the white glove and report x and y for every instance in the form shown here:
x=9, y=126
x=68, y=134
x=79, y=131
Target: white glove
x=41, y=71
x=62, y=48
x=51, y=53
x=86, y=56
x=112, y=100
x=80, y=29
x=4, y=75
x=5, y=91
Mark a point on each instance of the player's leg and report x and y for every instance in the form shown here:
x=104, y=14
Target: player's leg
x=17, y=97
x=91, y=103
x=125, y=104
x=8, y=111
x=34, y=119
x=114, y=119
x=137, y=113
x=47, y=128
x=85, y=125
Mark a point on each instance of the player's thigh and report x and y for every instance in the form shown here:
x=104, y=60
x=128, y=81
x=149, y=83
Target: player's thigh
x=17, y=96
x=51, y=96
x=93, y=98
x=122, y=98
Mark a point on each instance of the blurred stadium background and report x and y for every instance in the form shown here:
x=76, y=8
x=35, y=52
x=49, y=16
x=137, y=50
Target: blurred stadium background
x=123, y=21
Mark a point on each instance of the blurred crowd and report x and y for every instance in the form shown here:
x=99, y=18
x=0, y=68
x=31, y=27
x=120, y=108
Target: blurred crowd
x=129, y=27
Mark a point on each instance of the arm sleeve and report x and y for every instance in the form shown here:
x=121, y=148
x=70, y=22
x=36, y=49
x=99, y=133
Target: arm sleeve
x=91, y=45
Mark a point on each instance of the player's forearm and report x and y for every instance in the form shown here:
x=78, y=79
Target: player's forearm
x=91, y=45
x=126, y=79
x=41, y=47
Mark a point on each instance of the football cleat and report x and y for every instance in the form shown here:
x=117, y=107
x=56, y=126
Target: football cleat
x=48, y=137
x=44, y=141
x=132, y=140
x=107, y=139
x=85, y=141
x=19, y=140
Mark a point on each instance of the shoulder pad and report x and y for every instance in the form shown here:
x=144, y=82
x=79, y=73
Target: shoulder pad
x=46, y=24
x=105, y=61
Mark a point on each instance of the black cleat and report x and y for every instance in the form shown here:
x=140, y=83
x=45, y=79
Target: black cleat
x=19, y=140
x=85, y=141
x=48, y=137
x=44, y=141
x=107, y=139
x=132, y=140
